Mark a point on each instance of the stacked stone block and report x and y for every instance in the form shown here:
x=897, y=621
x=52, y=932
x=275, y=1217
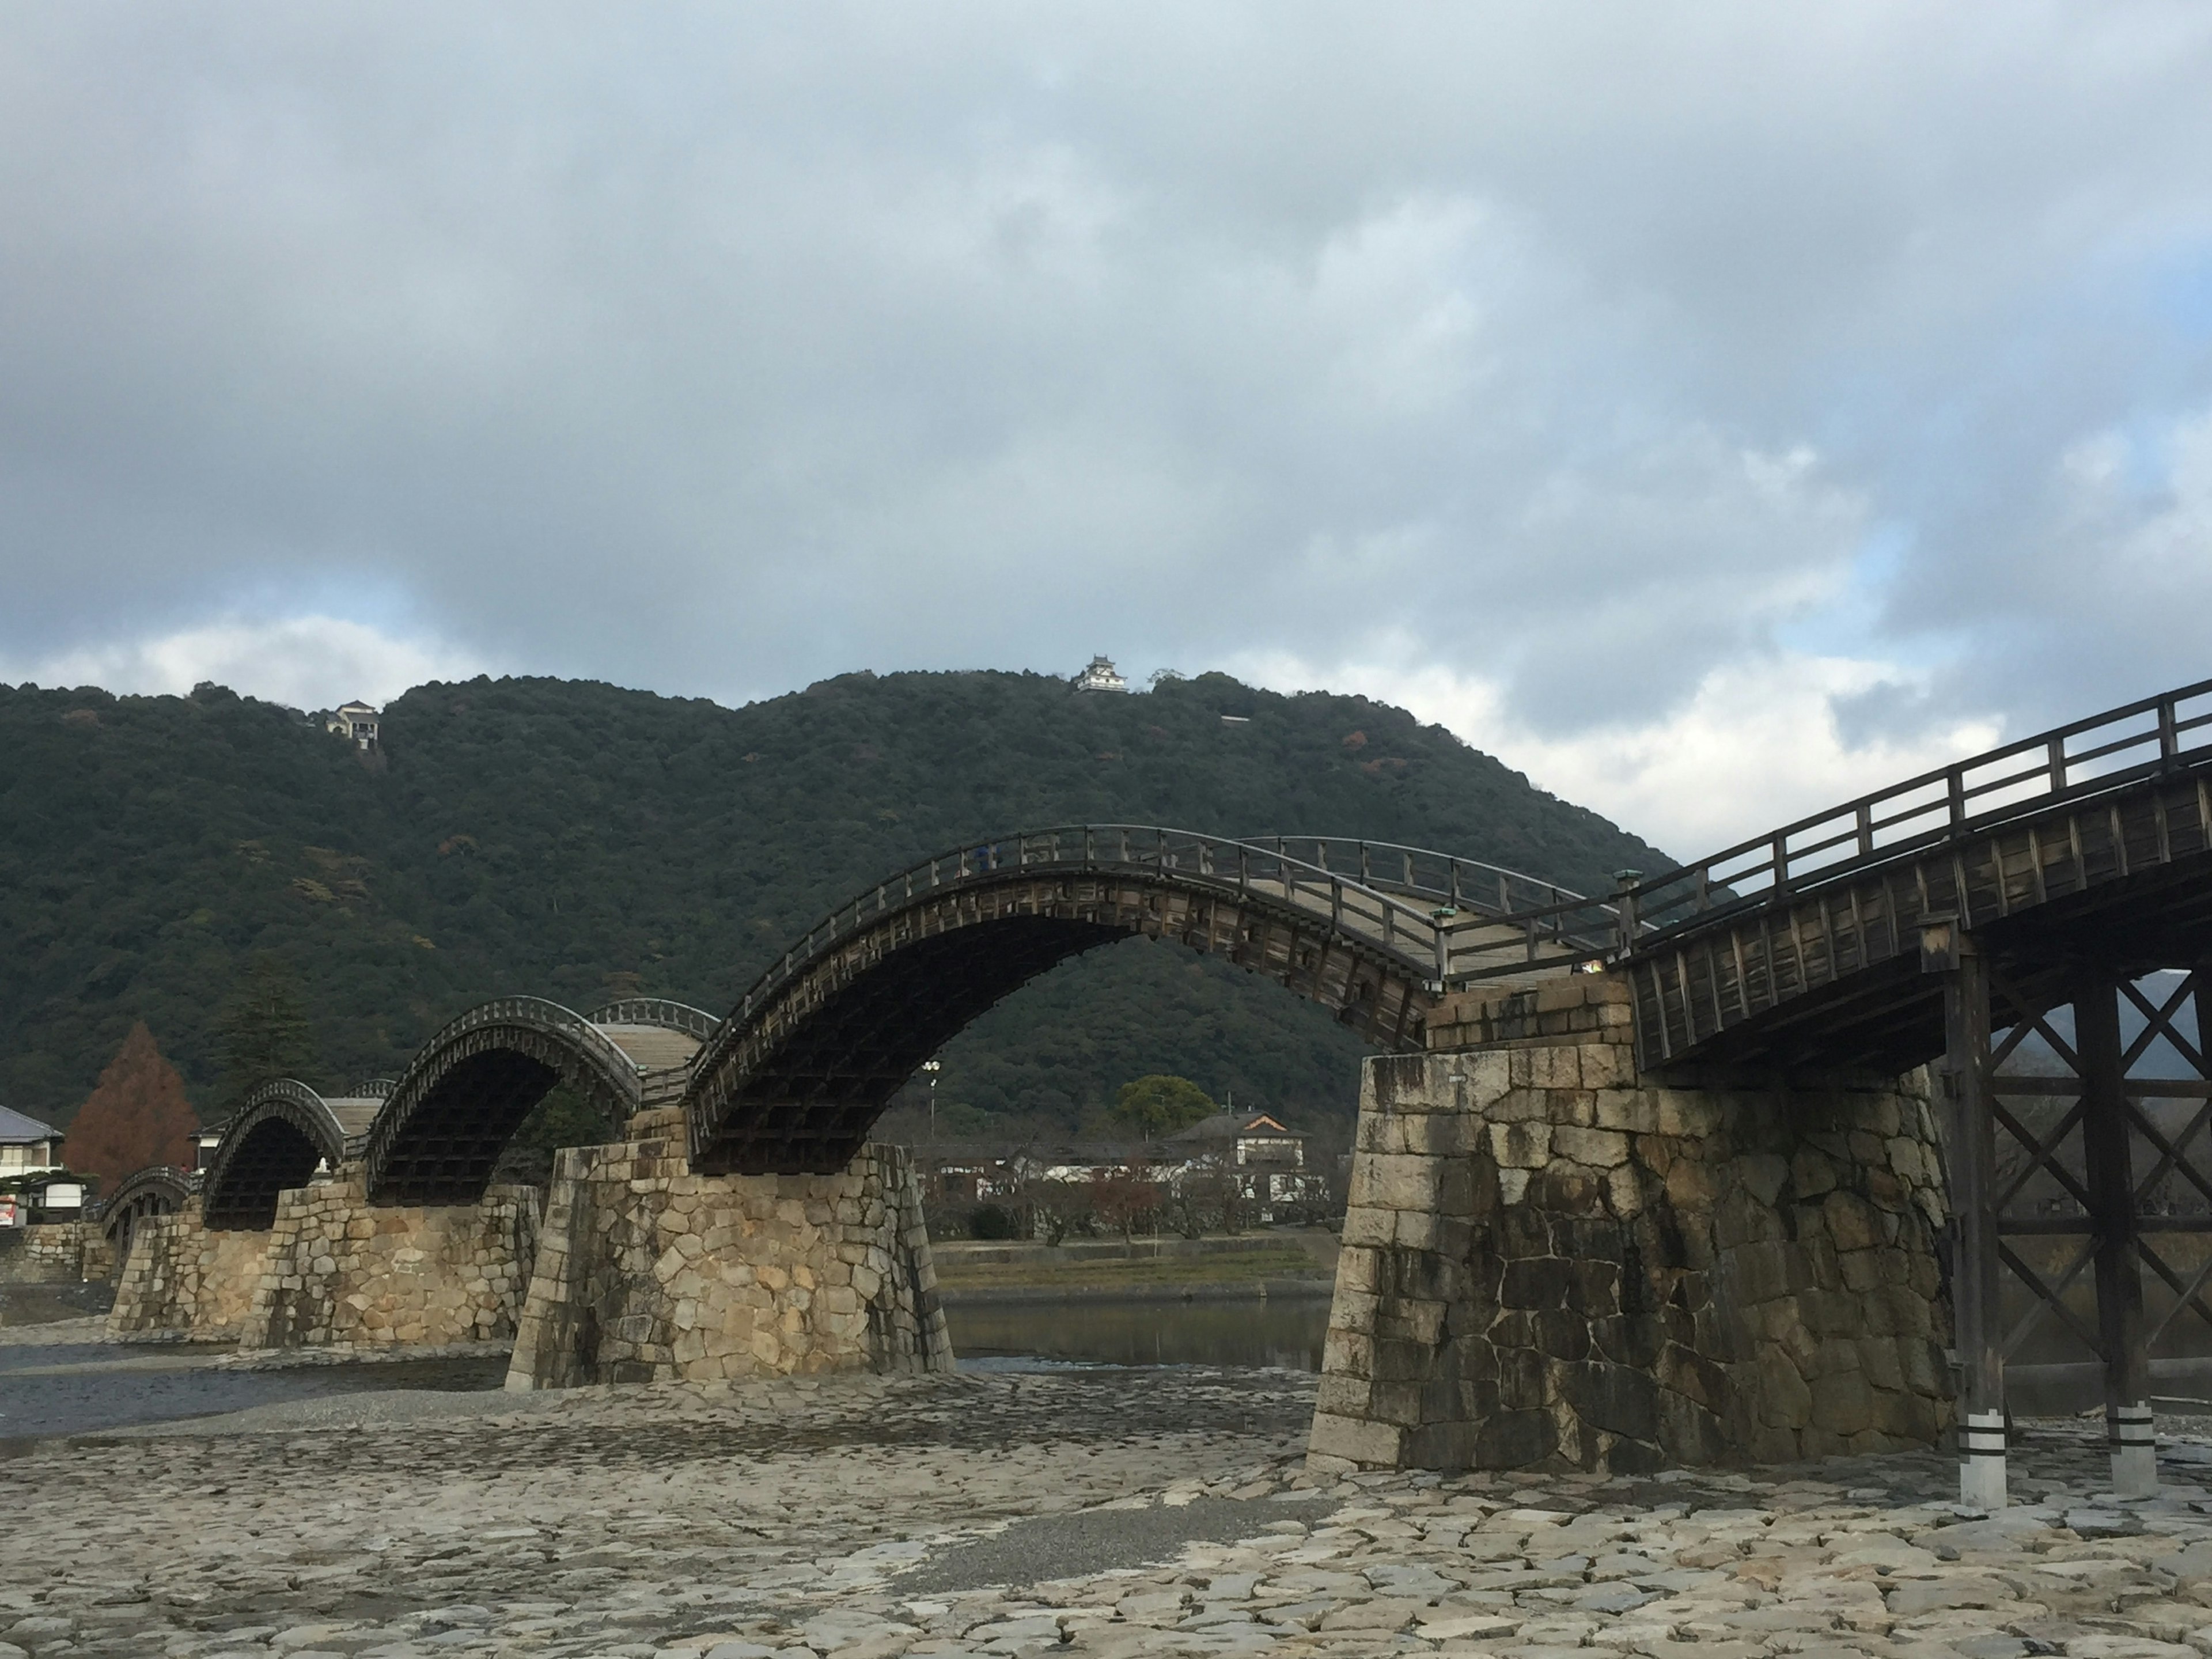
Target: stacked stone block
x=182, y=1280
x=1550, y=1263
x=647, y=1272
x=341, y=1272
x=56, y=1253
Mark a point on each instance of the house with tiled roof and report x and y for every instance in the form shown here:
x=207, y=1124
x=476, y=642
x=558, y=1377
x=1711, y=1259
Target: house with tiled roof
x=27, y=1145
x=1264, y=1159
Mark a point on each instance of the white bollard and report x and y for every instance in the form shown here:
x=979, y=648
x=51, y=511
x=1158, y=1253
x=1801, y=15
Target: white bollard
x=2135, y=1451
x=1981, y=1460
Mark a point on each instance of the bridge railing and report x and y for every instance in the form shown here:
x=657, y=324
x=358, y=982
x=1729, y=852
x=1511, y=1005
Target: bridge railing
x=150, y=1177
x=1497, y=922
x=1392, y=922
x=540, y=1012
x=2082, y=760
x=1441, y=878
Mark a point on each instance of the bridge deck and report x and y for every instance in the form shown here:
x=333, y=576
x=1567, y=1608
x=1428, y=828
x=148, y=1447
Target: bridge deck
x=1802, y=947
x=652, y=1048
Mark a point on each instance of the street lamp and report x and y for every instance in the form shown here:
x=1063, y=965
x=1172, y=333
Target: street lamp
x=932, y=1067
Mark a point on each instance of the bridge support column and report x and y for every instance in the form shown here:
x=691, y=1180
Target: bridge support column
x=2106, y=1135
x=1970, y=1142
x=184, y=1280
x=343, y=1272
x=649, y=1273
x=1548, y=1262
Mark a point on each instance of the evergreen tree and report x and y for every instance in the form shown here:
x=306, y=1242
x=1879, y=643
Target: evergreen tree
x=136, y=1115
x=263, y=1032
x=1159, y=1105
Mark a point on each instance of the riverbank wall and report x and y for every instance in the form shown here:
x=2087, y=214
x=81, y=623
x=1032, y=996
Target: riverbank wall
x=55, y=1253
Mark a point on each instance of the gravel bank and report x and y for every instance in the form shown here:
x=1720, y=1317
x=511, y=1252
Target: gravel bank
x=1108, y=1513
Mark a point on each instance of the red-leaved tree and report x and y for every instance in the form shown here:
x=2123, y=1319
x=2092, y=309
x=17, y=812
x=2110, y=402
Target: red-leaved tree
x=136, y=1115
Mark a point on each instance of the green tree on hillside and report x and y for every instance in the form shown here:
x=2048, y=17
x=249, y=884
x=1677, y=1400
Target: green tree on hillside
x=1158, y=1105
x=263, y=1031
x=566, y=1117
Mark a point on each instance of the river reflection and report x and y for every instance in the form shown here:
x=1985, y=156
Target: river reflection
x=1286, y=1334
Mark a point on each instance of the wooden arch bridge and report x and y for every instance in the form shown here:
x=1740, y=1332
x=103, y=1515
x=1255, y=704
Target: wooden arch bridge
x=2014, y=905
x=792, y=1080
x=157, y=1189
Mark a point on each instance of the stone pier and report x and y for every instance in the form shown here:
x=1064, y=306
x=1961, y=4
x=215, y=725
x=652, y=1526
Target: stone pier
x=646, y=1271
x=185, y=1281
x=343, y=1272
x=334, y=1271
x=1549, y=1263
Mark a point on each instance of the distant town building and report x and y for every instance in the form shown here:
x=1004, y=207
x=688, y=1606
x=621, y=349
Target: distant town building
x=29, y=1149
x=205, y=1140
x=356, y=721
x=1266, y=1161
x=27, y=1145
x=1248, y=1163
x=1101, y=676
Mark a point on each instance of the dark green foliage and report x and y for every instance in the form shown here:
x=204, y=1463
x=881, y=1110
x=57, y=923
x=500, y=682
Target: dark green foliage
x=1158, y=1105
x=577, y=840
x=990, y=1221
x=263, y=1032
x=566, y=1117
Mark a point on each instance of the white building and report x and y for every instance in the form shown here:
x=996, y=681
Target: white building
x=29, y=1149
x=354, y=720
x=1265, y=1161
x=1101, y=676
x=205, y=1140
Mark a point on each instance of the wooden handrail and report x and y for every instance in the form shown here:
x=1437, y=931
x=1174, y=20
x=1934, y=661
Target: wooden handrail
x=1769, y=865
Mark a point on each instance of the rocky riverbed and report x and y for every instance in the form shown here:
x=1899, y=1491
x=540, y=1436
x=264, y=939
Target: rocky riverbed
x=1096, y=1512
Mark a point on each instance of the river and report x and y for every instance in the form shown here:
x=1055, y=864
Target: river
x=1284, y=1332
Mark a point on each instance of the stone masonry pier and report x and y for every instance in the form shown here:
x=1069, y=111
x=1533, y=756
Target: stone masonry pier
x=1549, y=1263
x=641, y=1271
x=343, y=1272
x=646, y=1271
x=334, y=1271
x=186, y=1281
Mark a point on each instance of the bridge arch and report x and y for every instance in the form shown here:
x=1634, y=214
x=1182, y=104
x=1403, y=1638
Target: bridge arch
x=275, y=1143
x=460, y=1100
x=792, y=1080
x=158, y=1189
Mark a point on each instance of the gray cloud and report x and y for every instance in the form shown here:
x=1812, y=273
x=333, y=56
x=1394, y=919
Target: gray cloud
x=719, y=349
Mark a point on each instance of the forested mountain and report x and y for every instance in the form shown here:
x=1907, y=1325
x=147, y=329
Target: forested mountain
x=577, y=840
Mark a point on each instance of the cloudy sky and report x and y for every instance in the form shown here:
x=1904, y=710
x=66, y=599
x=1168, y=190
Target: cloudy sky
x=1712, y=410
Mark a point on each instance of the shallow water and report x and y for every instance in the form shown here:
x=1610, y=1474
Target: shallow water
x=117, y=1392
x=1280, y=1332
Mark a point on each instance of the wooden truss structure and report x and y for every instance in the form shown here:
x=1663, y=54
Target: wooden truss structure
x=2083, y=1175
x=2000, y=917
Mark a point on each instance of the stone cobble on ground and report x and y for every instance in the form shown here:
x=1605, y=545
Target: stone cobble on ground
x=1088, y=1512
